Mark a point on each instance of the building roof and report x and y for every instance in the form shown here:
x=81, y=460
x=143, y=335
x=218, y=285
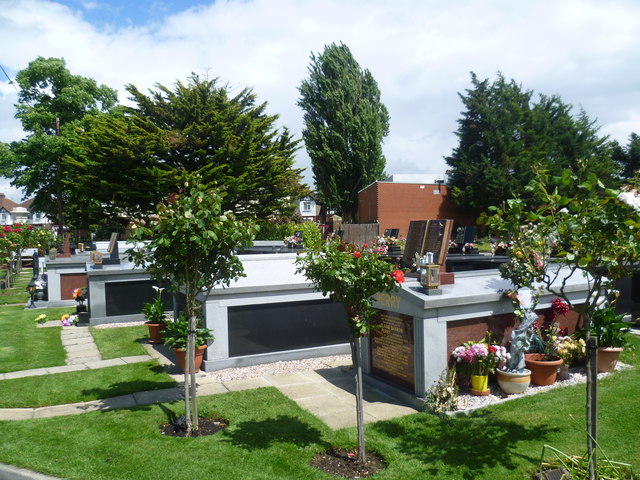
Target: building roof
x=7, y=204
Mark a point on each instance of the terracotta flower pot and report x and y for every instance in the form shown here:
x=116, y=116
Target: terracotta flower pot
x=155, y=332
x=512, y=383
x=181, y=357
x=608, y=358
x=543, y=372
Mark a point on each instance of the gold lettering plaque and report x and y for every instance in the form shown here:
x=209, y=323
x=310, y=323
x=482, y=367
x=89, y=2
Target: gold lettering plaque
x=392, y=349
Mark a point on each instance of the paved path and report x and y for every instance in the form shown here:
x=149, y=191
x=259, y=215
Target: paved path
x=326, y=393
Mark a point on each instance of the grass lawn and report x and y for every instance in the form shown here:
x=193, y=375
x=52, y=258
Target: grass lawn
x=18, y=292
x=271, y=437
x=120, y=341
x=24, y=346
x=83, y=385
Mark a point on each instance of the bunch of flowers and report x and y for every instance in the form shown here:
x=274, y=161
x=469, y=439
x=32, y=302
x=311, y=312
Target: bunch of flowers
x=40, y=319
x=545, y=340
x=292, y=240
x=469, y=245
x=480, y=358
x=570, y=349
x=68, y=320
x=80, y=295
x=452, y=244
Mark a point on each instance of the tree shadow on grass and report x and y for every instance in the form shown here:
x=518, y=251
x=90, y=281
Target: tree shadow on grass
x=262, y=434
x=467, y=444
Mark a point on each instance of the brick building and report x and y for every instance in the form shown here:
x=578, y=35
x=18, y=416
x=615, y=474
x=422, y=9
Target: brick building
x=394, y=203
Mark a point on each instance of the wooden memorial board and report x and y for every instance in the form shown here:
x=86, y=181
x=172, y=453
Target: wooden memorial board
x=392, y=349
x=66, y=249
x=415, y=240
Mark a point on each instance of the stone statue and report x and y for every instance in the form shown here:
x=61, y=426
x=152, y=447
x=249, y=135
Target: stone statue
x=521, y=336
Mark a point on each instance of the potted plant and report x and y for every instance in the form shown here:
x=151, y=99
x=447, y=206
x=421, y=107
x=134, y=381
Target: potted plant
x=481, y=359
x=80, y=295
x=569, y=350
x=543, y=359
x=156, y=319
x=175, y=336
x=611, y=331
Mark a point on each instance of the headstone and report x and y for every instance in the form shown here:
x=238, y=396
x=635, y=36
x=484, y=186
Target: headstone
x=469, y=235
x=114, y=254
x=392, y=232
x=66, y=249
x=437, y=239
x=415, y=240
x=460, y=231
x=392, y=349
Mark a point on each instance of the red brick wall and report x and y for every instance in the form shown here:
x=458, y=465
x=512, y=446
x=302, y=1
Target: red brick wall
x=394, y=205
x=69, y=282
x=500, y=326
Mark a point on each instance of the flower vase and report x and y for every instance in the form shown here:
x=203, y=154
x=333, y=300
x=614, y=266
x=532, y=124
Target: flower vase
x=480, y=385
x=513, y=383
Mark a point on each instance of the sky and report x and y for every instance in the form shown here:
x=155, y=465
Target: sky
x=420, y=52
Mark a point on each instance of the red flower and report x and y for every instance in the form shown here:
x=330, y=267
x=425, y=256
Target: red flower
x=17, y=230
x=398, y=275
x=559, y=307
x=7, y=229
x=172, y=198
x=29, y=227
x=493, y=348
x=1, y=235
x=357, y=254
x=366, y=245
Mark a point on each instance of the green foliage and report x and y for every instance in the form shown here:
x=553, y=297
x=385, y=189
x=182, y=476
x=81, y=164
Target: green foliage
x=628, y=157
x=154, y=311
x=577, y=467
x=504, y=135
x=609, y=328
x=133, y=156
x=311, y=235
x=275, y=229
x=344, y=126
x=176, y=333
x=350, y=275
x=40, y=163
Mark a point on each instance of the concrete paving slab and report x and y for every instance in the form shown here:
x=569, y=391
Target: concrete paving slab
x=9, y=472
x=82, y=360
x=286, y=379
x=246, y=384
x=297, y=392
x=211, y=389
x=1, y=376
x=80, y=347
x=25, y=373
x=16, y=413
x=123, y=401
x=59, y=410
x=66, y=368
x=328, y=405
x=112, y=362
x=136, y=358
x=384, y=411
x=158, y=396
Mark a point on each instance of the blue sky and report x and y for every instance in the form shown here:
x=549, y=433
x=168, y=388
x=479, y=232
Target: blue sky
x=419, y=51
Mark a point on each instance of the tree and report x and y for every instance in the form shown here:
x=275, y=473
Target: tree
x=133, y=156
x=353, y=276
x=629, y=157
x=52, y=104
x=190, y=244
x=595, y=233
x=504, y=135
x=344, y=126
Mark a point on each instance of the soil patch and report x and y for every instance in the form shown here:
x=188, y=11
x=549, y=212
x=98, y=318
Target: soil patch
x=206, y=426
x=344, y=463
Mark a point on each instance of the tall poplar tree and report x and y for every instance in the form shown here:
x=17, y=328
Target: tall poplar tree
x=345, y=123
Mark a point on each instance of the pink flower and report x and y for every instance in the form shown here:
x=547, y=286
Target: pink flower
x=357, y=254
x=366, y=245
x=7, y=229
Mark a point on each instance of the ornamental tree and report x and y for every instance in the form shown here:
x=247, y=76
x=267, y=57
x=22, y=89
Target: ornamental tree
x=594, y=233
x=190, y=244
x=353, y=276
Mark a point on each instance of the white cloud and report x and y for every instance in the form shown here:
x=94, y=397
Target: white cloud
x=420, y=52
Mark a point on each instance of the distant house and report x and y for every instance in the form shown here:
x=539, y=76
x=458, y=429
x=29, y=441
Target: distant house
x=401, y=198
x=12, y=212
x=308, y=208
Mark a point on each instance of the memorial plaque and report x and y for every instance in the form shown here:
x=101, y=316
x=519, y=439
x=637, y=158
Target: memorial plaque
x=437, y=239
x=469, y=234
x=392, y=349
x=415, y=240
x=460, y=235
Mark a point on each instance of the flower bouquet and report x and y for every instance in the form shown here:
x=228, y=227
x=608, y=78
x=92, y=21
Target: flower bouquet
x=480, y=358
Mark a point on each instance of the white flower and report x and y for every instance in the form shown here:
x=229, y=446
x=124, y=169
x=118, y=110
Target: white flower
x=563, y=210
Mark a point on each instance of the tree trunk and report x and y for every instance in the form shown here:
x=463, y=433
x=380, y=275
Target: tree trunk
x=356, y=355
x=592, y=403
x=192, y=369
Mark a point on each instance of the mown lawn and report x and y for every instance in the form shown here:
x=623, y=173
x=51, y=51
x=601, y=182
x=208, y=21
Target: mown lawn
x=270, y=437
x=120, y=341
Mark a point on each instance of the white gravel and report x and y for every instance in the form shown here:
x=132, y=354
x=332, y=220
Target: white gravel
x=468, y=402
x=276, y=368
